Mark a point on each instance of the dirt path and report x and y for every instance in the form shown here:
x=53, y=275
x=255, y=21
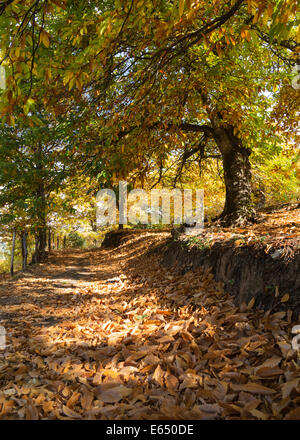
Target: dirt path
x=109, y=334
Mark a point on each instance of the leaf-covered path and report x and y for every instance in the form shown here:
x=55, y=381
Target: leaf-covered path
x=110, y=334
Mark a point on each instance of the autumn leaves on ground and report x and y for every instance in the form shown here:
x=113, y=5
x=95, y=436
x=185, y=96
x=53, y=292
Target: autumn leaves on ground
x=110, y=334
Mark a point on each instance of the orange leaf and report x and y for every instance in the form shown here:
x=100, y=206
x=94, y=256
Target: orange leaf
x=7, y=406
x=285, y=298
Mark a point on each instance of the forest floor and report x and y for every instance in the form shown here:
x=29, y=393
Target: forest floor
x=110, y=334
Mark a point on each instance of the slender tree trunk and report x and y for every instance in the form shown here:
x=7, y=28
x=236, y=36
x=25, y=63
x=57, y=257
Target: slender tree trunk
x=24, y=249
x=42, y=229
x=93, y=225
x=57, y=242
x=237, y=176
x=13, y=253
x=65, y=241
x=49, y=239
x=36, y=251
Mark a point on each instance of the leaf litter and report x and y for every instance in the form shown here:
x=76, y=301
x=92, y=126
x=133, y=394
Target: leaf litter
x=150, y=344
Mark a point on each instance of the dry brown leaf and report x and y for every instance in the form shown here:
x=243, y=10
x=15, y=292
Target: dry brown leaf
x=286, y=349
x=147, y=368
x=70, y=413
x=113, y=394
x=31, y=412
x=151, y=359
x=173, y=329
x=288, y=387
x=158, y=375
x=272, y=362
x=86, y=399
x=171, y=382
x=73, y=399
x=293, y=415
x=259, y=414
x=189, y=381
x=254, y=388
x=268, y=371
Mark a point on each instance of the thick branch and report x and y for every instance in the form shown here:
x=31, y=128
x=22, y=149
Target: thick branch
x=184, y=126
x=195, y=128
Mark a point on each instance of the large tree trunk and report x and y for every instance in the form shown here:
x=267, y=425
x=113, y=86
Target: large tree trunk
x=42, y=242
x=41, y=230
x=237, y=176
x=238, y=208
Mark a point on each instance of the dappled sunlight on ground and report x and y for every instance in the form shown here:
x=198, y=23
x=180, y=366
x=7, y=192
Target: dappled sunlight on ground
x=110, y=334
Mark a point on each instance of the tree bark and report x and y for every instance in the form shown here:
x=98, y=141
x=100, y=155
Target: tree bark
x=42, y=243
x=238, y=207
x=35, y=255
x=49, y=239
x=24, y=249
x=41, y=210
x=13, y=253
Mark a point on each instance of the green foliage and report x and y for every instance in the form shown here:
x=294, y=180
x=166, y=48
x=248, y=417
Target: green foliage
x=278, y=175
x=74, y=240
x=199, y=242
x=102, y=91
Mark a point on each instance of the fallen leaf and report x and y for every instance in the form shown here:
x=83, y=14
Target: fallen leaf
x=158, y=376
x=70, y=413
x=73, y=399
x=251, y=304
x=171, y=382
x=112, y=395
x=86, y=399
x=293, y=415
x=7, y=407
x=252, y=387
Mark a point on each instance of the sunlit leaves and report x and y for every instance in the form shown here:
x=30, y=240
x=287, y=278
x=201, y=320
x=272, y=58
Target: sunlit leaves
x=45, y=38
